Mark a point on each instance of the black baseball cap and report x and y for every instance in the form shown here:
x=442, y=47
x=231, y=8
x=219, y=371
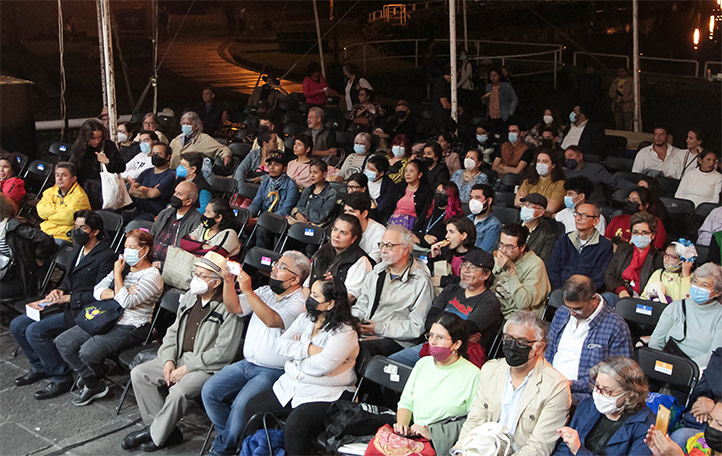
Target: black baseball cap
x=535, y=198
x=480, y=258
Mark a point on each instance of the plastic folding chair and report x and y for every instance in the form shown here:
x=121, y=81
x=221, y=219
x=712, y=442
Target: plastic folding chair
x=293, y=117
x=680, y=212
x=344, y=138
x=506, y=215
x=222, y=186
x=261, y=259
x=304, y=233
x=242, y=216
x=247, y=190
x=554, y=301
x=641, y=315
x=113, y=227
x=239, y=149
x=37, y=172
x=504, y=199
x=613, y=163
x=675, y=372
x=273, y=223
x=294, y=129
x=509, y=182
x=22, y=160
x=60, y=150
x=703, y=210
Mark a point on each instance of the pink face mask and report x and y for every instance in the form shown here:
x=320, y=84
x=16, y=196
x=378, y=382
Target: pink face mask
x=440, y=353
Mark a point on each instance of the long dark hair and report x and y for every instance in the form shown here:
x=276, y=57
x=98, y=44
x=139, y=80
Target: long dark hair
x=327, y=259
x=557, y=173
x=222, y=208
x=334, y=289
x=457, y=330
x=82, y=142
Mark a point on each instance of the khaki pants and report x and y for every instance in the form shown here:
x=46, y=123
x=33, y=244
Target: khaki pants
x=163, y=414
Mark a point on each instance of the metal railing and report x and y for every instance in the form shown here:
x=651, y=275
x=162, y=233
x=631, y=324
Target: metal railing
x=626, y=58
x=396, y=12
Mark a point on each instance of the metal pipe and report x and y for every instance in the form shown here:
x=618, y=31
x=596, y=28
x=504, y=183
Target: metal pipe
x=452, y=58
x=637, y=121
x=318, y=37
x=555, y=71
x=107, y=46
x=72, y=123
x=466, y=34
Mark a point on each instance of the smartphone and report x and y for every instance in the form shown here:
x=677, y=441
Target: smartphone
x=234, y=267
x=662, y=419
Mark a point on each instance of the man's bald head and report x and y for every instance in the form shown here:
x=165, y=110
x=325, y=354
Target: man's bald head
x=188, y=192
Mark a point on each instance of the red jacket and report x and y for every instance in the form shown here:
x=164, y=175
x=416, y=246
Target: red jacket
x=13, y=187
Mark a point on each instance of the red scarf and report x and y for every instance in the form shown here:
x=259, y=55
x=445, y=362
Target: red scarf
x=631, y=274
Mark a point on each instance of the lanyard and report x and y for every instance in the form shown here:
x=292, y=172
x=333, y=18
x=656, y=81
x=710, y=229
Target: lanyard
x=431, y=225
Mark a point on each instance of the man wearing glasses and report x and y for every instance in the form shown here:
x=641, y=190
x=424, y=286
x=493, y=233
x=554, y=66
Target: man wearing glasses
x=273, y=308
x=585, y=331
x=395, y=296
x=522, y=391
x=520, y=279
x=583, y=251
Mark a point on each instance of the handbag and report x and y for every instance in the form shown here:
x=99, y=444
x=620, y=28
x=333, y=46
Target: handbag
x=388, y=443
x=672, y=345
x=6, y=263
x=115, y=193
x=100, y=317
x=349, y=422
x=178, y=268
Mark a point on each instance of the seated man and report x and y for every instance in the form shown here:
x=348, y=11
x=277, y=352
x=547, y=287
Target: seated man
x=514, y=155
x=583, y=251
x=211, y=112
x=272, y=308
x=143, y=159
x=520, y=280
x=176, y=221
x=471, y=300
x=266, y=122
x=359, y=204
x=585, y=331
x=487, y=225
x=203, y=339
x=324, y=139
x=60, y=202
x=596, y=173
x=542, y=230
x=659, y=158
x=150, y=123
x=578, y=190
x=266, y=97
x=192, y=139
x=154, y=186
x=583, y=132
x=395, y=296
x=90, y=261
x=522, y=391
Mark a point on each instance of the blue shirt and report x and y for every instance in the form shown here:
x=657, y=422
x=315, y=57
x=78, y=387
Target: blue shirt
x=487, y=232
x=165, y=182
x=287, y=192
x=465, y=186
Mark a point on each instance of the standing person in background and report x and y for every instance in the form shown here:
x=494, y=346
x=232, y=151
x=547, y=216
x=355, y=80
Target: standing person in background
x=441, y=97
x=315, y=87
x=621, y=91
x=465, y=82
x=589, y=90
x=501, y=101
x=354, y=83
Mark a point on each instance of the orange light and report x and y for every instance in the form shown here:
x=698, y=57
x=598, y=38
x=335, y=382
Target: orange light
x=695, y=38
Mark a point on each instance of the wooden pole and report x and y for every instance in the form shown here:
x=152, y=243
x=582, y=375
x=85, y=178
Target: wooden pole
x=318, y=37
x=452, y=58
x=107, y=53
x=637, y=122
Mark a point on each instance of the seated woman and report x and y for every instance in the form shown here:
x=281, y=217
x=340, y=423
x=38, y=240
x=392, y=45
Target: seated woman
x=321, y=347
x=10, y=184
x=614, y=421
x=430, y=228
x=547, y=179
x=670, y=283
x=693, y=326
x=366, y=113
x=253, y=167
x=299, y=169
x=638, y=200
x=380, y=186
x=398, y=156
x=470, y=175
x=191, y=169
x=412, y=199
x=218, y=231
x=342, y=257
x=437, y=172
x=136, y=290
x=440, y=386
x=459, y=240
x=633, y=264
x=451, y=158
x=549, y=119
x=318, y=200
x=702, y=183
x=356, y=162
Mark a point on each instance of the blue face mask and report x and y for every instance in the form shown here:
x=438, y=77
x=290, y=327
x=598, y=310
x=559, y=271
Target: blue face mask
x=145, y=147
x=572, y=116
x=398, y=151
x=370, y=174
x=641, y=242
x=187, y=129
x=131, y=256
x=359, y=148
x=513, y=136
x=569, y=202
x=481, y=138
x=526, y=214
x=698, y=294
x=180, y=171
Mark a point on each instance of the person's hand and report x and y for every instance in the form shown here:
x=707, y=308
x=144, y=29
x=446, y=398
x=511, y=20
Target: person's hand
x=423, y=431
x=119, y=265
x=570, y=437
x=368, y=327
x=500, y=259
x=256, y=180
x=35, y=305
x=436, y=249
x=687, y=268
x=624, y=294
x=660, y=444
x=702, y=408
x=522, y=194
x=107, y=294
x=158, y=265
x=475, y=338
x=227, y=160
x=177, y=374
x=244, y=282
x=314, y=349
x=102, y=158
x=54, y=295
x=402, y=429
x=430, y=239
x=168, y=367
x=130, y=181
x=133, y=289
x=301, y=218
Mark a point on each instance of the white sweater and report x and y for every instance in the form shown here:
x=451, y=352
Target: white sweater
x=700, y=187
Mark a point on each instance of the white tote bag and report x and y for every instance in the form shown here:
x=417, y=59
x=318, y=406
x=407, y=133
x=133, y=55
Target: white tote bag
x=115, y=194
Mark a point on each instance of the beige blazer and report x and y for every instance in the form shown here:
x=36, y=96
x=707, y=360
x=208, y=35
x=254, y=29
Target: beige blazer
x=544, y=406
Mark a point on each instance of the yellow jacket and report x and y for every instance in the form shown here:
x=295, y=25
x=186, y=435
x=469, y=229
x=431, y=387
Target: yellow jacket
x=202, y=143
x=57, y=211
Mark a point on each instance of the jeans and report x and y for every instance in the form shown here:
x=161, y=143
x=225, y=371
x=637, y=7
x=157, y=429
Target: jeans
x=382, y=346
x=408, y=356
x=680, y=436
x=36, y=340
x=225, y=396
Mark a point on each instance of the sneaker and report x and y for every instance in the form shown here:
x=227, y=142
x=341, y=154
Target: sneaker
x=88, y=395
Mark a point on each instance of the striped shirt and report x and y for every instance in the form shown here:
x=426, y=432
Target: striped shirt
x=139, y=305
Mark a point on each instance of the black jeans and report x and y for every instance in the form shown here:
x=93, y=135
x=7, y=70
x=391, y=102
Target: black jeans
x=303, y=423
x=383, y=346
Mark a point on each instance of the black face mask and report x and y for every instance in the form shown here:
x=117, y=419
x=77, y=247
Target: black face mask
x=176, y=202
x=157, y=160
x=79, y=237
x=428, y=161
x=713, y=437
x=572, y=163
x=312, y=308
x=514, y=355
x=630, y=207
x=276, y=285
x=547, y=143
x=208, y=222
x=441, y=200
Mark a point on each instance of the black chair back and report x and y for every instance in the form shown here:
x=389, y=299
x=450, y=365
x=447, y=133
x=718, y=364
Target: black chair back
x=555, y=301
x=680, y=212
x=506, y=215
x=222, y=186
x=261, y=259
x=675, y=372
x=304, y=233
x=641, y=315
x=60, y=150
x=509, y=182
x=385, y=372
x=113, y=227
x=242, y=216
x=618, y=163
x=504, y=199
x=239, y=149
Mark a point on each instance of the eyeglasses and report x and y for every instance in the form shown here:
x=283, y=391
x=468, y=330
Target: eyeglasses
x=352, y=188
x=575, y=310
x=641, y=233
x=581, y=216
x=203, y=277
x=470, y=267
x=431, y=337
x=606, y=392
x=387, y=245
x=520, y=343
x=282, y=267
x=507, y=247
x=671, y=256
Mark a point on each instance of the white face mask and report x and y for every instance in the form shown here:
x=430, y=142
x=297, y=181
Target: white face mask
x=548, y=119
x=476, y=207
x=198, y=286
x=469, y=164
x=122, y=137
x=605, y=405
x=542, y=169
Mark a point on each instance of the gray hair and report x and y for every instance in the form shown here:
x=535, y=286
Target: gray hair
x=713, y=271
x=530, y=320
x=630, y=377
x=366, y=138
x=578, y=288
x=152, y=116
x=407, y=237
x=318, y=111
x=301, y=264
x=195, y=120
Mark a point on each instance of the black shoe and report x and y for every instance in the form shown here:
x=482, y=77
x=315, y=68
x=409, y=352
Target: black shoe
x=175, y=438
x=134, y=439
x=52, y=390
x=29, y=378
x=89, y=394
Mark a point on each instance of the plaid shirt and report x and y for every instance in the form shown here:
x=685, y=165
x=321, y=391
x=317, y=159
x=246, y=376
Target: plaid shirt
x=608, y=336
